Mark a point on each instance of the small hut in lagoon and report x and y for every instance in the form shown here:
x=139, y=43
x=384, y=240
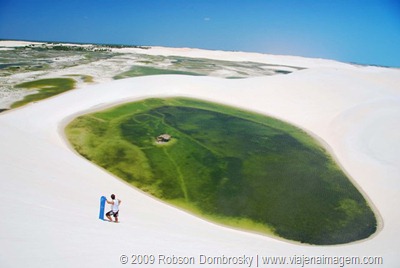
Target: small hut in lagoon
x=164, y=138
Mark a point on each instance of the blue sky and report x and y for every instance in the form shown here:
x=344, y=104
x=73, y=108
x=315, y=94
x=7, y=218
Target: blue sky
x=362, y=31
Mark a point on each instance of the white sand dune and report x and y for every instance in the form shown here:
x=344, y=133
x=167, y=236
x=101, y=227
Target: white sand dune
x=50, y=194
x=15, y=43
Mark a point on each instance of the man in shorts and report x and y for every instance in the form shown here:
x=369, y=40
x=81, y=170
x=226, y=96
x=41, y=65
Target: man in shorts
x=114, y=208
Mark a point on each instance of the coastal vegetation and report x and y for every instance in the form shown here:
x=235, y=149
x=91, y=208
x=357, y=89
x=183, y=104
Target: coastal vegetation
x=155, y=65
x=102, y=62
x=230, y=166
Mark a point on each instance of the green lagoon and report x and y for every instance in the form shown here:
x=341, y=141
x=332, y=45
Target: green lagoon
x=45, y=88
x=229, y=166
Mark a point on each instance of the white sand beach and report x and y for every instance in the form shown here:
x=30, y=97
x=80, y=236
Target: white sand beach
x=51, y=194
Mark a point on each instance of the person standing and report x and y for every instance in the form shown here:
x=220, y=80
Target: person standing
x=114, y=208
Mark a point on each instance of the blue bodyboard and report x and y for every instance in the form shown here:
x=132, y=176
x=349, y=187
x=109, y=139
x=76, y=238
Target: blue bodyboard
x=102, y=206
